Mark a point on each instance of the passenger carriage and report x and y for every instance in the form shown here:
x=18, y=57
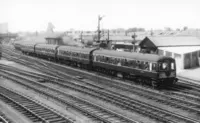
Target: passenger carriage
x=78, y=56
x=148, y=68
x=145, y=68
x=46, y=51
x=17, y=46
x=28, y=48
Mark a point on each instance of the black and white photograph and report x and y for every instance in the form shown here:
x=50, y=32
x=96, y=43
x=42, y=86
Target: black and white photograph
x=99, y=61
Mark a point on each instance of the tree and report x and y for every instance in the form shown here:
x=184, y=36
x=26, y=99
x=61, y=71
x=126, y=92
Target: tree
x=168, y=29
x=50, y=28
x=135, y=29
x=185, y=28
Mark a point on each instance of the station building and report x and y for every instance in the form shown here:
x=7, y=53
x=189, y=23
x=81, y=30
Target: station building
x=185, y=49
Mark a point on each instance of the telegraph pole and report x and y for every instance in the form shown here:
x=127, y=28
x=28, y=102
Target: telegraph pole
x=98, y=28
x=81, y=36
x=108, y=35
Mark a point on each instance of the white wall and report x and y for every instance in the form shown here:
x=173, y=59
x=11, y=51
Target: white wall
x=3, y=27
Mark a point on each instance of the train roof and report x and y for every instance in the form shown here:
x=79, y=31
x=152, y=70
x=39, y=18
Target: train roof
x=78, y=49
x=52, y=46
x=132, y=55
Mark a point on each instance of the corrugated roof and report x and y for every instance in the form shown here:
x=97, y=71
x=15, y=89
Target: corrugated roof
x=180, y=50
x=166, y=41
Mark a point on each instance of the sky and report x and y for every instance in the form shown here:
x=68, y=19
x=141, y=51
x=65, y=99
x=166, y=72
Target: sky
x=34, y=15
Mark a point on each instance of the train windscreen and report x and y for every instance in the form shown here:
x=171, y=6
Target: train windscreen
x=164, y=66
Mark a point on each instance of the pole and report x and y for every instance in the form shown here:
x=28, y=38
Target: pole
x=98, y=29
x=81, y=36
x=108, y=34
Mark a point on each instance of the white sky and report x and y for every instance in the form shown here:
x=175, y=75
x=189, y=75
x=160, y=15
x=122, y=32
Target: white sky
x=32, y=15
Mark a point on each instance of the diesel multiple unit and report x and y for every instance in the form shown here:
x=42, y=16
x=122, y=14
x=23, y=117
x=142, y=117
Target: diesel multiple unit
x=145, y=68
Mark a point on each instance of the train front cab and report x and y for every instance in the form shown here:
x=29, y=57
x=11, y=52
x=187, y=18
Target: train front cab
x=167, y=71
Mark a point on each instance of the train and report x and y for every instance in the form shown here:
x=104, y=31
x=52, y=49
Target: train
x=144, y=68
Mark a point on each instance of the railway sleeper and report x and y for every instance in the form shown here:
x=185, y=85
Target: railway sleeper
x=35, y=108
x=44, y=112
x=55, y=119
x=41, y=111
x=47, y=115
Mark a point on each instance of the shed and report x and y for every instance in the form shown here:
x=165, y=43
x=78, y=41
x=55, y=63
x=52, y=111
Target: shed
x=186, y=57
x=54, y=39
x=185, y=49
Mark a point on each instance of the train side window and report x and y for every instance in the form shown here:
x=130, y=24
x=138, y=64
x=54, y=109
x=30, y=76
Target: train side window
x=97, y=58
x=125, y=62
x=101, y=58
x=129, y=62
x=134, y=64
x=146, y=66
x=107, y=60
x=140, y=64
x=122, y=62
x=114, y=61
x=154, y=66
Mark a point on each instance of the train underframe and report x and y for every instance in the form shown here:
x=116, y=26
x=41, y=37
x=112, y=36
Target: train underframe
x=154, y=82
x=73, y=63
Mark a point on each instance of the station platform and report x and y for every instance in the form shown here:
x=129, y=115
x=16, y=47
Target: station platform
x=193, y=74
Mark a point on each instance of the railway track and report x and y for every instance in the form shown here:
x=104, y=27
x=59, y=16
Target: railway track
x=4, y=119
x=97, y=113
x=31, y=109
x=186, y=88
x=84, y=85
x=136, y=106
x=176, y=102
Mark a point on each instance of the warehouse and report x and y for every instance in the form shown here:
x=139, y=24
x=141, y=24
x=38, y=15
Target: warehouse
x=185, y=49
